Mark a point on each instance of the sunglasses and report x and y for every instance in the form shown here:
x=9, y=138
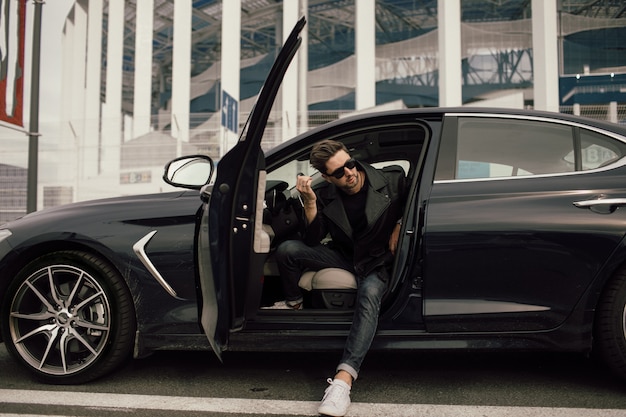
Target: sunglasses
x=340, y=172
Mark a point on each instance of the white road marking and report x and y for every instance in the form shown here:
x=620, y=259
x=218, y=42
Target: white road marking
x=281, y=407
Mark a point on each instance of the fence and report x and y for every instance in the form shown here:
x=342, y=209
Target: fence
x=136, y=166
x=612, y=113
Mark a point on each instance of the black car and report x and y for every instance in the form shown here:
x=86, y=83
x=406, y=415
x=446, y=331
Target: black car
x=512, y=239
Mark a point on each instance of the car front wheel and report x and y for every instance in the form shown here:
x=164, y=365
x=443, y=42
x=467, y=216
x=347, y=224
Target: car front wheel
x=69, y=318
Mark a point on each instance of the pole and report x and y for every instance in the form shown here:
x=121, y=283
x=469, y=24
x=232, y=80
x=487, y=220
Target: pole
x=33, y=136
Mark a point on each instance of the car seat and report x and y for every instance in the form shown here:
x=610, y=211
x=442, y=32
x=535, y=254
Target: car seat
x=330, y=288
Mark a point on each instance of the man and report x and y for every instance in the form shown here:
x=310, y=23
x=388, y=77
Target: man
x=360, y=207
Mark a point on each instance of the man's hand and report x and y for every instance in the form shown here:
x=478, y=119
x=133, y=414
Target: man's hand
x=303, y=185
x=394, y=238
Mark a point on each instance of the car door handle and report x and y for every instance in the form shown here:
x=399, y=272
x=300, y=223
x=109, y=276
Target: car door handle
x=601, y=205
x=601, y=202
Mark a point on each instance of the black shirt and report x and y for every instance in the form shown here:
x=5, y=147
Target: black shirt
x=354, y=204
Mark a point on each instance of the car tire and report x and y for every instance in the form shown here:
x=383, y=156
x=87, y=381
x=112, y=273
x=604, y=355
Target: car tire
x=69, y=318
x=610, y=325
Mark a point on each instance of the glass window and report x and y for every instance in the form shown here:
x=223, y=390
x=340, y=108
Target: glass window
x=492, y=147
x=379, y=146
x=406, y=165
x=598, y=150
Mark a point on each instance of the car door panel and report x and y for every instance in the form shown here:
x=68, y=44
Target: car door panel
x=504, y=247
x=510, y=255
x=237, y=244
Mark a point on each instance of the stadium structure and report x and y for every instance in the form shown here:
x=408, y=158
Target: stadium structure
x=148, y=80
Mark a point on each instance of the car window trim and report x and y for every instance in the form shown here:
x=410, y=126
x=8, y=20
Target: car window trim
x=571, y=123
x=454, y=116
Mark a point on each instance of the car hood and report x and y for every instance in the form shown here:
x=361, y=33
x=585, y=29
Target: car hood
x=125, y=209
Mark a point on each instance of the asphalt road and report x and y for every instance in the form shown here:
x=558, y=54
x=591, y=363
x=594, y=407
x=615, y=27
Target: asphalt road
x=513, y=383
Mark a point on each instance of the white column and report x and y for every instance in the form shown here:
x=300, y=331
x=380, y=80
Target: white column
x=92, y=84
x=303, y=70
x=545, y=55
x=112, y=106
x=77, y=117
x=181, y=71
x=365, y=54
x=290, y=82
x=612, y=113
x=143, y=68
x=230, y=65
x=449, y=32
x=67, y=67
x=68, y=139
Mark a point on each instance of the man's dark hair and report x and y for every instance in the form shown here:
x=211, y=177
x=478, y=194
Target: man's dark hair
x=323, y=151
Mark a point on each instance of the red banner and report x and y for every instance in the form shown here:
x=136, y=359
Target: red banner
x=12, y=30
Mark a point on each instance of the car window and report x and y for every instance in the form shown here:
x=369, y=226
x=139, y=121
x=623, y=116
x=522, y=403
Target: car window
x=492, y=147
x=290, y=170
x=380, y=146
x=406, y=165
x=598, y=150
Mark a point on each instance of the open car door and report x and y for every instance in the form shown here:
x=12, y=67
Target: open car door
x=232, y=244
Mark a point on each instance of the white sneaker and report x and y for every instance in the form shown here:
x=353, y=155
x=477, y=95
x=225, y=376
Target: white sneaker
x=284, y=305
x=336, y=399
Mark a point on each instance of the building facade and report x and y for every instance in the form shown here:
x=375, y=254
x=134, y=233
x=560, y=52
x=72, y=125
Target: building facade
x=146, y=81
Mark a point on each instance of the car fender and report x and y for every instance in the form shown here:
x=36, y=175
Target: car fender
x=615, y=261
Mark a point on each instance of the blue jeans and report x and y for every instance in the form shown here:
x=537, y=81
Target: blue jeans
x=294, y=257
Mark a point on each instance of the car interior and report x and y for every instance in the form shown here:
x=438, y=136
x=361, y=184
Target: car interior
x=331, y=288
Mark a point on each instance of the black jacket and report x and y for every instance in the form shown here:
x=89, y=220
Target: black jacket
x=386, y=197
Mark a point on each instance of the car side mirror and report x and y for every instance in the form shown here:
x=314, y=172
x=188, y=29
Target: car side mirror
x=193, y=171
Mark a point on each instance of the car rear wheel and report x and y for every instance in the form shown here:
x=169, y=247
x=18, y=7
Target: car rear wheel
x=610, y=328
x=69, y=318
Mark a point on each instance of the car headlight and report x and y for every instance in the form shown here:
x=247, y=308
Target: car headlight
x=4, y=233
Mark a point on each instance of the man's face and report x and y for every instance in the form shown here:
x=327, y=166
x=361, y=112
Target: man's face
x=350, y=182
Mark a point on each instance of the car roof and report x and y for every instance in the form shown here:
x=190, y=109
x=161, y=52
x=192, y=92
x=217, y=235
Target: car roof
x=438, y=113
x=441, y=111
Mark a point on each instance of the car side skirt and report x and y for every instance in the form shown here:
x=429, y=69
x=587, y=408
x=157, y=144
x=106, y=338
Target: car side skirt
x=559, y=340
